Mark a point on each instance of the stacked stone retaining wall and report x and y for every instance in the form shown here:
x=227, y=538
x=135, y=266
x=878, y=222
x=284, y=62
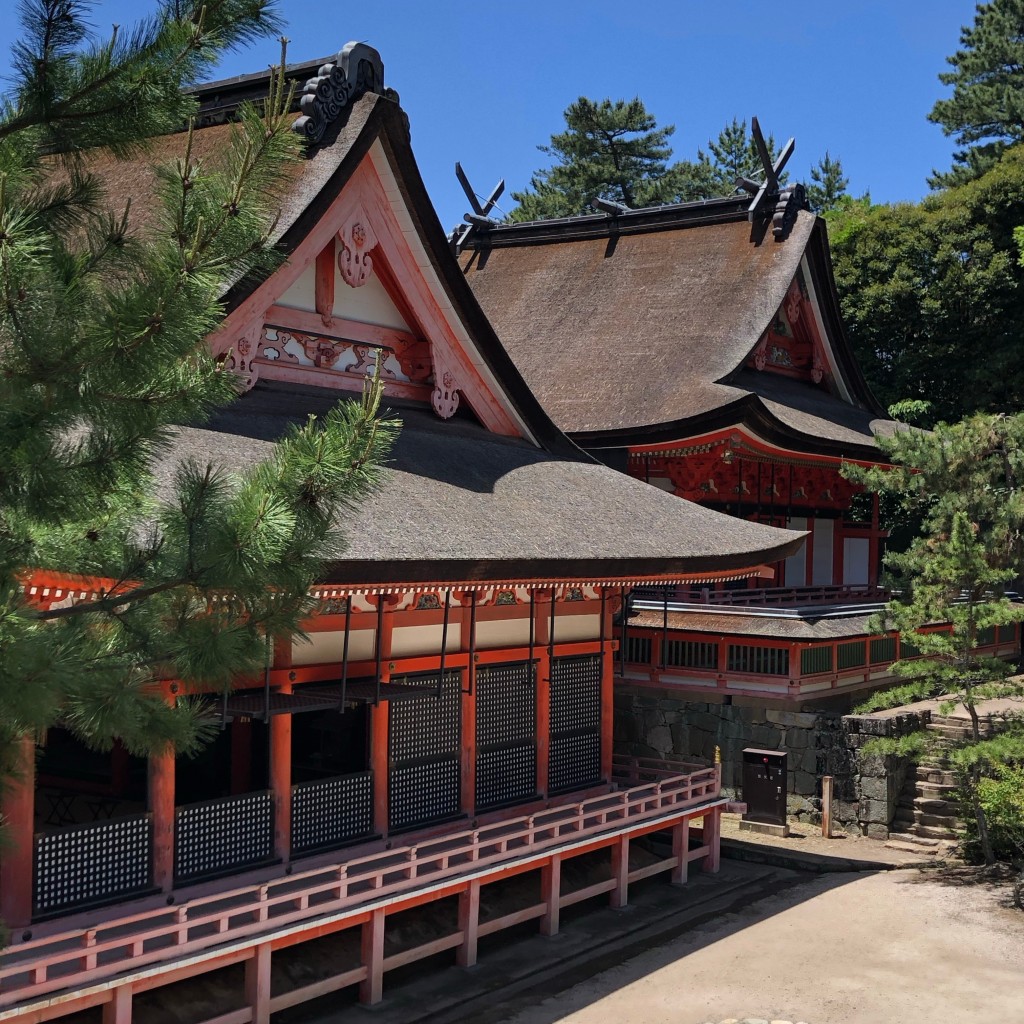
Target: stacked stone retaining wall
x=866, y=788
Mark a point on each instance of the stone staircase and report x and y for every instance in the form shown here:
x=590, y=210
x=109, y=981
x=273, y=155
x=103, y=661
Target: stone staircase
x=928, y=812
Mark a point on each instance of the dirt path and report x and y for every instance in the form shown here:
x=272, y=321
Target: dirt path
x=889, y=948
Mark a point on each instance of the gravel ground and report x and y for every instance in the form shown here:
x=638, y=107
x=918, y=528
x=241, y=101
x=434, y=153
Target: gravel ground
x=900, y=947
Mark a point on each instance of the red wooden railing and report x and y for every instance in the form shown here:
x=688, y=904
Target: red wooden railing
x=72, y=959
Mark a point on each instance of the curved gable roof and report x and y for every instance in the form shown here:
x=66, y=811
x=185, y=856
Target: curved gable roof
x=643, y=328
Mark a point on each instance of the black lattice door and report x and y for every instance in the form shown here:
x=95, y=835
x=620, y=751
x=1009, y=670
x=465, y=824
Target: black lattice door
x=574, y=757
x=424, y=738
x=506, y=734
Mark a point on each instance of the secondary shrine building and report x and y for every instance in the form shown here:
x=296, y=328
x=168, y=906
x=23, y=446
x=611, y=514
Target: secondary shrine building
x=699, y=348
x=448, y=725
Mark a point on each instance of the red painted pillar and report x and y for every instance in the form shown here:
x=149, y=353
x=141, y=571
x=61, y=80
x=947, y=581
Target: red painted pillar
x=16, y=864
x=607, y=705
x=542, y=623
x=161, y=806
x=281, y=780
x=874, y=544
x=379, y=765
x=380, y=754
x=467, y=799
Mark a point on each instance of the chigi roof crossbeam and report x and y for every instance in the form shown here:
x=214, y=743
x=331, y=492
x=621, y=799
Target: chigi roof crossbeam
x=787, y=201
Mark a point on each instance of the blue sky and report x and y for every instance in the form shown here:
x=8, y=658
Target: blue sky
x=485, y=82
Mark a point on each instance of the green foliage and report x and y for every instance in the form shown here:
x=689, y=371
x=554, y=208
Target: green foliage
x=609, y=150
x=1001, y=795
x=103, y=349
x=828, y=184
x=615, y=150
x=932, y=294
x=965, y=481
x=732, y=155
x=913, y=746
x=985, y=113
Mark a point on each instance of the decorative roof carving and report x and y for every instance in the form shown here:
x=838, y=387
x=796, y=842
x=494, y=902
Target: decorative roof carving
x=354, y=260
x=357, y=70
x=791, y=200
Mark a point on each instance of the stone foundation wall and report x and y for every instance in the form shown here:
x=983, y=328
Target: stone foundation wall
x=866, y=788
x=877, y=779
x=654, y=724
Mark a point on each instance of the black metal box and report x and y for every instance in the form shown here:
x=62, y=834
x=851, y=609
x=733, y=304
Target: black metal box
x=764, y=785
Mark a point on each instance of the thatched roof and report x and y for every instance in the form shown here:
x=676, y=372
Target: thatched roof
x=639, y=325
x=457, y=502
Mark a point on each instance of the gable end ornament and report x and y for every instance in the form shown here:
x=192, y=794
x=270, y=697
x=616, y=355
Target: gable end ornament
x=445, y=396
x=357, y=69
x=354, y=260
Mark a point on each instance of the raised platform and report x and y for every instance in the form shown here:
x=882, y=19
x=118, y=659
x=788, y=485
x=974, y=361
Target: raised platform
x=124, y=954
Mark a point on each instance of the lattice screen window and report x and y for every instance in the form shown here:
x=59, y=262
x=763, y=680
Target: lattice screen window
x=329, y=812
x=89, y=864
x=219, y=836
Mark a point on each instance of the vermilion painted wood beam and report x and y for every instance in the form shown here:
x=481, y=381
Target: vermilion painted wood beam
x=542, y=630
x=161, y=806
x=281, y=779
x=323, y=282
x=16, y=865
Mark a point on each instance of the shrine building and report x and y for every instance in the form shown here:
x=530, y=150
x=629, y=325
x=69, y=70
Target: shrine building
x=447, y=726
x=699, y=348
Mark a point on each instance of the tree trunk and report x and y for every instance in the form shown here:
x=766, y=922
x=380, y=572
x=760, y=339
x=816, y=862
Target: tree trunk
x=979, y=816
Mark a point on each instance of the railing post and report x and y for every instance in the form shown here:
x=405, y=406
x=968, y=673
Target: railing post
x=257, y=983
x=118, y=1009
x=712, y=839
x=620, y=872
x=371, y=989
x=551, y=893
x=680, y=851
x=16, y=860
x=469, y=924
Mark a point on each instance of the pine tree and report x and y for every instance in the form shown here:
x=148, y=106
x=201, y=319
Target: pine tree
x=828, y=184
x=732, y=155
x=985, y=114
x=612, y=150
x=965, y=480
x=102, y=350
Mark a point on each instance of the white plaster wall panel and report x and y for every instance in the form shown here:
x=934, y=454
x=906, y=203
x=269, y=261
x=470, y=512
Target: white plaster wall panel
x=503, y=632
x=301, y=294
x=796, y=565
x=855, y=560
x=413, y=641
x=369, y=303
x=576, y=627
x=823, y=540
x=327, y=648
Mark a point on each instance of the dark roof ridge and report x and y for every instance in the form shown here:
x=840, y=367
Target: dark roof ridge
x=323, y=88
x=599, y=225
